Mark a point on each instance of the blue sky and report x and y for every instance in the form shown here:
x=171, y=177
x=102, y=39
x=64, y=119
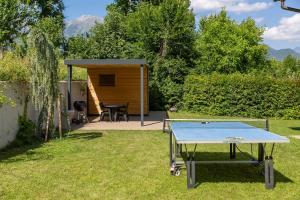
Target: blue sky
x=283, y=27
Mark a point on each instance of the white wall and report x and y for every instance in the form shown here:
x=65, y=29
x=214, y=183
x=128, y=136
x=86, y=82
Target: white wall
x=17, y=92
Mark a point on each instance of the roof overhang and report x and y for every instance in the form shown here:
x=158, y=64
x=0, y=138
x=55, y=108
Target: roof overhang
x=93, y=63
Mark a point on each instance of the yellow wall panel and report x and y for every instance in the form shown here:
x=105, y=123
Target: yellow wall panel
x=126, y=89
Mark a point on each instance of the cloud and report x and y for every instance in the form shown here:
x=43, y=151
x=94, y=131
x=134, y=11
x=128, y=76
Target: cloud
x=81, y=24
x=288, y=29
x=259, y=20
x=237, y=6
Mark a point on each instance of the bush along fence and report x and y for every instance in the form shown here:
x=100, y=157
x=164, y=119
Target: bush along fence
x=242, y=95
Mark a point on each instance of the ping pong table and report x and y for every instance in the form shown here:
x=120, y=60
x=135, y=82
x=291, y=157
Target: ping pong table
x=232, y=132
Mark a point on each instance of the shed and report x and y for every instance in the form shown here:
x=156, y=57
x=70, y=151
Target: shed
x=114, y=81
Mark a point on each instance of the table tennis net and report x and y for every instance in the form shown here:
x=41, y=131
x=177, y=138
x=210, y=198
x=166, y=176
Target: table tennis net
x=222, y=123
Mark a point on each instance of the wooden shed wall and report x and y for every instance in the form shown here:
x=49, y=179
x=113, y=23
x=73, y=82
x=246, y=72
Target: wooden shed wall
x=126, y=89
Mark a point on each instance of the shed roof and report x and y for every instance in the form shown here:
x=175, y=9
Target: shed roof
x=99, y=62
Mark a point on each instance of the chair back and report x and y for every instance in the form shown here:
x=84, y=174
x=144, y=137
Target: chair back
x=102, y=107
x=125, y=108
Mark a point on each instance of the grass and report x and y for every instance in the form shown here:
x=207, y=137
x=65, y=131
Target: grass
x=134, y=165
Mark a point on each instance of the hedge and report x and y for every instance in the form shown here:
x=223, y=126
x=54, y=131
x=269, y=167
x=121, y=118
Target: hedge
x=242, y=95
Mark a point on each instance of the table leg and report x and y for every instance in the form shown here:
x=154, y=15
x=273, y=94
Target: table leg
x=188, y=174
x=232, y=150
x=260, y=152
x=269, y=173
x=115, y=115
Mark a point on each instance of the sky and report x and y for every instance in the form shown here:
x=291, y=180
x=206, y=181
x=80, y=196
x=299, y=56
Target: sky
x=282, y=27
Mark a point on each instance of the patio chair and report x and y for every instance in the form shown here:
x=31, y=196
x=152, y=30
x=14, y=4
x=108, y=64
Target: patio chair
x=123, y=112
x=104, y=111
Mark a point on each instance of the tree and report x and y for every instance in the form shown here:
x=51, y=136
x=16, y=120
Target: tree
x=290, y=64
x=165, y=35
x=47, y=8
x=166, y=30
x=225, y=46
x=79, y=47
x=127, y=6
x=14, y=18
x=50, y=14
x=108, y=38
x=54, y=29
x=44, y=78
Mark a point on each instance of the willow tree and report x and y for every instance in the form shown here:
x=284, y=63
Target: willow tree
x=44, y=79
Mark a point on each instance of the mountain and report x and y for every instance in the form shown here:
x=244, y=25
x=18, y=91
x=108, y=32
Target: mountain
x=282, y=53
x=297, y=49
x=81, y=25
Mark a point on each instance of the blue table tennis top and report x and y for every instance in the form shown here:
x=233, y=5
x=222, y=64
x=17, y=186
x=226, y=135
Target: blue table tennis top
x=222, y=132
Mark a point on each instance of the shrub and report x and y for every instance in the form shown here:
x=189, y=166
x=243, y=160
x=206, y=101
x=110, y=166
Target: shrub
x=78, y=74
x=242, y=95
x=14, y=68
x=168, y=75
x=26, y=134
x=5, y=100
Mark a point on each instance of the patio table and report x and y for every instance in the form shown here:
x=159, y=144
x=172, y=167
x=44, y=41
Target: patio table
x=113, y=109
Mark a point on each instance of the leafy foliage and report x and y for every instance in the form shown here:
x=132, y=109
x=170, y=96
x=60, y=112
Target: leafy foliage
x=289, y=67
x=48, y=8
x=166, y=30
x=14, y=18
x=26, y=134
x=79, y=74
x=127, y=6
x=14, y=68
x=44, y=78
x=5, y=100
x=54, y=29
x=169, y=77
x=242, y=95
x=225, y=46
x=17, y=69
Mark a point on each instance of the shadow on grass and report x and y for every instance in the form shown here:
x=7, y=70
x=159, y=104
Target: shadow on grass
x=85, y=135
x=239, y=173
x=27, y=152
x=10, y=153
x=295, y=128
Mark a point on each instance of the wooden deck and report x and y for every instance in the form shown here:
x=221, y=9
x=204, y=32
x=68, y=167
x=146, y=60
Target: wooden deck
x=154, y=121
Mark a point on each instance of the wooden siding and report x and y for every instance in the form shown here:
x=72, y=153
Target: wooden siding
x=126, y=89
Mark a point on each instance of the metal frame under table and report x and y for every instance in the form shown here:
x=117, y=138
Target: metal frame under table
x=176, y=151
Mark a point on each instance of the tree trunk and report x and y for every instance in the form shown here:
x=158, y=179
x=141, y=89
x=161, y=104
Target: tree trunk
x=59, y=116
x=1, y=53
x=164, y=48
x=47, y=123
x=26, y=100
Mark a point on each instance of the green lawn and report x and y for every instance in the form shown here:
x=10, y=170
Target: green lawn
x=134, y=165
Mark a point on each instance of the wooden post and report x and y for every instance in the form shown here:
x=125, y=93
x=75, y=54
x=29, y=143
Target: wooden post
x=142, y=95
x=59, y=116
x=48, y=123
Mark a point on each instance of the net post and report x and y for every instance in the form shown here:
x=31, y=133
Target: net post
x=267, y=125
x=171, y=148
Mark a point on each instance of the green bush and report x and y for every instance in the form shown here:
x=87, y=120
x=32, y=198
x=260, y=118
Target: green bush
x=14, y=68
x=26, y=134
x=242, y=95
x=168, y=78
